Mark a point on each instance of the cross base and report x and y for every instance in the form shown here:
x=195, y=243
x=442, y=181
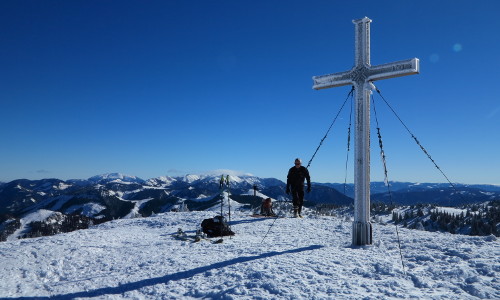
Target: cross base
x=361, y=233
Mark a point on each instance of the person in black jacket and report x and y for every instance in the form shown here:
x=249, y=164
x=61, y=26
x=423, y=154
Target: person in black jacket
x=295, y=184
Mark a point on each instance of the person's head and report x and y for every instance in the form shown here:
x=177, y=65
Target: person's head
x=298, y=162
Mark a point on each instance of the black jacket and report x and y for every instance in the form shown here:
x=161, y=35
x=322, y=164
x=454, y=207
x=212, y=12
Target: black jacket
x=296, y=177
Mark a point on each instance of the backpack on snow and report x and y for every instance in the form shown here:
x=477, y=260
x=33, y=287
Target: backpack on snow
x=216, y=226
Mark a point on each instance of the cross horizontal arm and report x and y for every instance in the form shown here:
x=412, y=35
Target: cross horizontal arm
x=332, y=80
x=395, y=69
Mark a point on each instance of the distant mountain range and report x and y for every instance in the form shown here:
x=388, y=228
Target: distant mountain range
x=111, y=196
x=410, y=193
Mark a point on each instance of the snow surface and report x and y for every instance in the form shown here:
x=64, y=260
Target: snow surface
x=310, y=258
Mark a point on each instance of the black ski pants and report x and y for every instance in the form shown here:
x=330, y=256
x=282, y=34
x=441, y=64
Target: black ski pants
x=297, y=198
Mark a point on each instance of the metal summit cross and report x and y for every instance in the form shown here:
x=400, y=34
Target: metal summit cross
x=361, y=76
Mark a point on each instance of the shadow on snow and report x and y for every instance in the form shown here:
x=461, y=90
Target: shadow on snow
x=171, y=277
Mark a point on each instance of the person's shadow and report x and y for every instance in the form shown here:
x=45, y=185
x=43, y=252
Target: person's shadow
x=164, y=279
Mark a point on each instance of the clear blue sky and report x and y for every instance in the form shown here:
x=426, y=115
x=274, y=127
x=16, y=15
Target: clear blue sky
x=153, y=88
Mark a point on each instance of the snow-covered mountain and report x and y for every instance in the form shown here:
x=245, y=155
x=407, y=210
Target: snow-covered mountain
x=114, y=177
x=310, y=258
x=21, y=196
x=114, y=196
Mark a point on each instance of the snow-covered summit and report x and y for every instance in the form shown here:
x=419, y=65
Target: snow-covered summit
x=141, y=259
x=191, y=178
x=109, y=177
x=234, y=177
x=161, y=181
x=220, y=172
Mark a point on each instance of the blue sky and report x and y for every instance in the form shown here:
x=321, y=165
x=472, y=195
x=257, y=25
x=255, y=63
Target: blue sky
x=154, y=88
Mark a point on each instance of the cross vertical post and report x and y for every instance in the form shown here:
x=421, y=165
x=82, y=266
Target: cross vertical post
x=361, y=76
